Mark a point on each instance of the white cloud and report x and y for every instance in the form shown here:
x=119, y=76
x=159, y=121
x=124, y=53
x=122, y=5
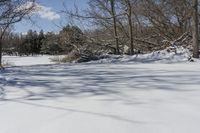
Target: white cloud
x=47, y=12
x=42, y=11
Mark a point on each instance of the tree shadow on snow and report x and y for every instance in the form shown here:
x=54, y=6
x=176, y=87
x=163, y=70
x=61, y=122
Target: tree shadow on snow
x=54, y=81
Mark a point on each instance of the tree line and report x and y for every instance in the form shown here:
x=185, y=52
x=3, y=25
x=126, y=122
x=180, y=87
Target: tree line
x=34, y=43
x=118, y=27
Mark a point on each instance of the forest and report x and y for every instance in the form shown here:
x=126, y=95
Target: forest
x=116, y=27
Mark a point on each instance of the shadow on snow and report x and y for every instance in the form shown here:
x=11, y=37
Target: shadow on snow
x=53, y=81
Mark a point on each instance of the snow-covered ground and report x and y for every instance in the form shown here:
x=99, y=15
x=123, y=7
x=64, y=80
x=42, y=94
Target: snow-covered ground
x=99, y=98
x=27, y=60
x=169, y=55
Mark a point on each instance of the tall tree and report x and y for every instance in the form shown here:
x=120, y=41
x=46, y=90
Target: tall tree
x=114, y=17
x=195, y=33
x=41, y=38
x=11, y=12
x=129, y=14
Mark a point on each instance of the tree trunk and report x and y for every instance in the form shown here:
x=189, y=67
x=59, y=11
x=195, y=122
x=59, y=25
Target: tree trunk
x=0, y=53
x=195, y=28
x=130, y=26
x=112, y=3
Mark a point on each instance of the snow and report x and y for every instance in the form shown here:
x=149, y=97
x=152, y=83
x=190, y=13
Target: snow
x=27, y=60
x=156, y=97
x=176, y=54
x=169, y=55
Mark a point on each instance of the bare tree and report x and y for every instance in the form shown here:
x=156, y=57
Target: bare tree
x=142, y=24
x=195, y=28
x=169, y=18
x=103, y=14
x=129, y=13
x=113, y=13
x=11, y=12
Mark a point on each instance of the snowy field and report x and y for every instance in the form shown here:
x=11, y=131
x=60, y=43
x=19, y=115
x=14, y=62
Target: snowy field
x=99, y=98
x=26, y=60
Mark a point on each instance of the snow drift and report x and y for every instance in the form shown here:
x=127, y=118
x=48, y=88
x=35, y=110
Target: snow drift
x=169, y=55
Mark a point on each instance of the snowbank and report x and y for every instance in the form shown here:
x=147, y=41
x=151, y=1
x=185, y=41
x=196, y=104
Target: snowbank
x=169, y=55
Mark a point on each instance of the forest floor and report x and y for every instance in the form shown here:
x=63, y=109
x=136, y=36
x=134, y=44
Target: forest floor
x=37, y=96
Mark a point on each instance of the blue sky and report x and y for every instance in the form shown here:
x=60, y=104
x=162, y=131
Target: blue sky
x=49, y=17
